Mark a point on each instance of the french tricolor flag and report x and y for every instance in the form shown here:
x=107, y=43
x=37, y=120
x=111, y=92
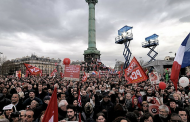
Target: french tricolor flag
x=94, y=72
x=181, y=60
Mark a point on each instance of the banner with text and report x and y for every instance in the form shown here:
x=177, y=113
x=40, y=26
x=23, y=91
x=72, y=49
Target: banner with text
x=134, y=73
x=72, y=72
x=33, y=70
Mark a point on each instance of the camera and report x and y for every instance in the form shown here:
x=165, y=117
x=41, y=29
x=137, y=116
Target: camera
x=14, y=114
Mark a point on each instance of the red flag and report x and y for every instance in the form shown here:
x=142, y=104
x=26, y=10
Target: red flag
x=61, y=74
x=53, y=73
x=33, y=70
x=84, y=77
x=51, y=114
x=79, y=99
x=27, y=72
x=134, y=73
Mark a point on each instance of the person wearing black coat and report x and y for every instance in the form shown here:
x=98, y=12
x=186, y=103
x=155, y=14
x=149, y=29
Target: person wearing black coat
x=84, y=99
x=32, y=97
x=148, y=94
x=15, y=100
x=3, y=102
x=107, y=107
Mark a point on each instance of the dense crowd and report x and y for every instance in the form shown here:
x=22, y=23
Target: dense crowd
x=103, y=100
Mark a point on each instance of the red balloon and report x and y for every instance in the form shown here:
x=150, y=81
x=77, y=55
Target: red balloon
x=162, y=85
x=66, y=61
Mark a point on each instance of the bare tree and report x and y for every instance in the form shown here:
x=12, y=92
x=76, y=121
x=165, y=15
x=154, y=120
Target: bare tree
x=2, y=58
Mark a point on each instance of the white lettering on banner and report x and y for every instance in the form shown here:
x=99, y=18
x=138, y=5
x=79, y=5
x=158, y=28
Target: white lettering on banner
x=138, y=73
x=34, y=70
x=130, y=68
x=135, y=74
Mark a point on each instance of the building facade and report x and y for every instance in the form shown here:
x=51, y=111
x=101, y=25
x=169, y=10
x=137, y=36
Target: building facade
x=47, y=65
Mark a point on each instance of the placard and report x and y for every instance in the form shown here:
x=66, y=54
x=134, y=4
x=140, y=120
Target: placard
x=72, y=72
x=154, y=78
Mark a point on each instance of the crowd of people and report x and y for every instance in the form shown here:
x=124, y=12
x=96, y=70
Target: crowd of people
x=103, y=100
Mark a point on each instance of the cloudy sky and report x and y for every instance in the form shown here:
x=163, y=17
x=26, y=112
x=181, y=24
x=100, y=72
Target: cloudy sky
x=59, y=28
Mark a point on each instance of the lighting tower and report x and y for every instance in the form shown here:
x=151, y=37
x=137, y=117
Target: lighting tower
x=125, y=36
x=151, y=42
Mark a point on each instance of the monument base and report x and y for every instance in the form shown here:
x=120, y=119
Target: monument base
x=91, y=54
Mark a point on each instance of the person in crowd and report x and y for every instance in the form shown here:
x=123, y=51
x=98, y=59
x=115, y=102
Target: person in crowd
x=3, y=102
x=145, y=107
x=32, y=97
x=71, y=114
x=88, y=113
x=29, y=116
x=61, y=96
x=106, y=106
x=85, y=98
x=163, y=115
x=121, y=119
x=128, y=101
x=15, y=100
x=132, y=117
x=62, y=109
x=183, y=114
x=149, y=93
x=40, y=92
x=6, y=93
x=175, y=118
x=147, y=117
x=135, y=105
x=100, y=117
x=22, y=115
x=177, y=98
x=173, y=106
x=8, y=110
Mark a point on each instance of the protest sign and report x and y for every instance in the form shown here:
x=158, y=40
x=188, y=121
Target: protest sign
x=154, y=78
x=72, y=72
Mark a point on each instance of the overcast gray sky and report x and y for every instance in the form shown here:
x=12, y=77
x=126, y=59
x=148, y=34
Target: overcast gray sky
x=59, y=28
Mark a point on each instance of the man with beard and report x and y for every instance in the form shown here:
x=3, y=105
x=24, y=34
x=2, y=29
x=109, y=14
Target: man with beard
x=148, y=94
x=163, y=115
x=71, y=113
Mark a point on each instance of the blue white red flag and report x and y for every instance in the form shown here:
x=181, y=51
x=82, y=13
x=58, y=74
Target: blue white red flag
x=94, y=72
x=181, y=60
